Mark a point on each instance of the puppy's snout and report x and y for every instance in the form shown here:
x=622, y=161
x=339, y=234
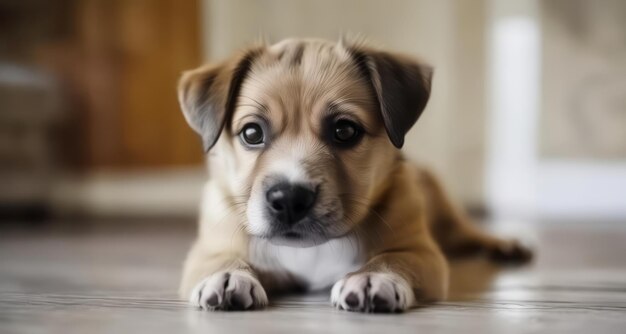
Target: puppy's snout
x=289, y=203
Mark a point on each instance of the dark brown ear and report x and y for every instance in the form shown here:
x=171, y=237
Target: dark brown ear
x=401, y=85
x=208, y=95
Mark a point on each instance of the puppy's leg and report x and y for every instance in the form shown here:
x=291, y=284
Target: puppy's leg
x=393, y=282
x=457, y=235
x=220, y=281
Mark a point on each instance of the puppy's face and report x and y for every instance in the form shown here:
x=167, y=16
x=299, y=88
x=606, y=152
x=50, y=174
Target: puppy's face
x=308, y=132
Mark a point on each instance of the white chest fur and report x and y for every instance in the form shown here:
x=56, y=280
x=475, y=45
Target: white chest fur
x=319, y=266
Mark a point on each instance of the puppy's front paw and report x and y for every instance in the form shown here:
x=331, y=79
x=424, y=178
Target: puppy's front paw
x=229, y=290
x=372, y=292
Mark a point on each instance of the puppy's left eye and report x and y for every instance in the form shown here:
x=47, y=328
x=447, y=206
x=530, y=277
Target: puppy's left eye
x=346, y=132
x=252, y=134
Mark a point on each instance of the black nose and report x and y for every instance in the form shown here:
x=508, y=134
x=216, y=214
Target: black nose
x=290, y=202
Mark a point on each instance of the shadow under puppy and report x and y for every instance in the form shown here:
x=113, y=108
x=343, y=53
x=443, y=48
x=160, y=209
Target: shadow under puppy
x=308, y=188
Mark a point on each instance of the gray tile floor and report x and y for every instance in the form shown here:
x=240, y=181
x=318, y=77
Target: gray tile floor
x=125, y=282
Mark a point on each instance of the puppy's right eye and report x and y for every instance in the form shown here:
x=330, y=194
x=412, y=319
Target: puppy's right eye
x=252, y=134
x=346, y=133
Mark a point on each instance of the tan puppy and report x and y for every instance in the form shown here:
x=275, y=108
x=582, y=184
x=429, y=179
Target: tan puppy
x=308, y=188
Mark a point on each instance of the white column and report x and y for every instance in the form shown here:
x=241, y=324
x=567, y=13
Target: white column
x=513, y=82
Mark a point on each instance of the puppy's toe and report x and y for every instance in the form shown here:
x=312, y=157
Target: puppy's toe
x=236, y=290
x=511, y=252
x=385, y=297
x=372, y=292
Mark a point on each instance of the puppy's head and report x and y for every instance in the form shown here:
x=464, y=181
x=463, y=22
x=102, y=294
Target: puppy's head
x=304, y=133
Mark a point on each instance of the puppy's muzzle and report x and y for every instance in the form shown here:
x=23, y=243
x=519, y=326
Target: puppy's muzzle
x=289, y=203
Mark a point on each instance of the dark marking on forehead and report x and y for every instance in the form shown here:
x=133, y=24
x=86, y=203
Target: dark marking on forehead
x=296, y=56
x=360, y=60
x=239, y=75
x=280, y=54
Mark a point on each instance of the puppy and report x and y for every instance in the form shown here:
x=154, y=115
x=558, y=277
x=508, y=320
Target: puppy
x=308, y=188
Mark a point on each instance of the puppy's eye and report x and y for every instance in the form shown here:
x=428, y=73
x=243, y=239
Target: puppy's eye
x=252, y=134
x=346, y=132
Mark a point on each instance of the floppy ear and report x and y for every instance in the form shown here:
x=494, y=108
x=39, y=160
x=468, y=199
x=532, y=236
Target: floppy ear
x=208, y=95
x=402, y=87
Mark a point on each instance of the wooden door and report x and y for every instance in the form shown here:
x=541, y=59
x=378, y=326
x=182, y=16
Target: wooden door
x=131, y=54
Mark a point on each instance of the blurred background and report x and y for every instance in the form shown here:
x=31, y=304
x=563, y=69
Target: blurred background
x=527, y=118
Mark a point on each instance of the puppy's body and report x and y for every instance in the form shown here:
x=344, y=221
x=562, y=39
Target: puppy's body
x=308, y=188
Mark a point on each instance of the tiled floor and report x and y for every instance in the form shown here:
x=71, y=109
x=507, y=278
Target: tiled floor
x=125, y=282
